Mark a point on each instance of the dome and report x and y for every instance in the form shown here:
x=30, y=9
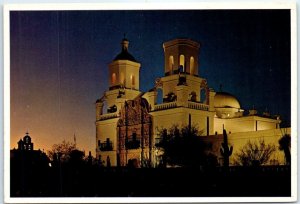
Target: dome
x=125, y=55
x=226, y=100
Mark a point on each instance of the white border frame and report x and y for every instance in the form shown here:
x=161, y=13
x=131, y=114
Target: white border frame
x=148, y=6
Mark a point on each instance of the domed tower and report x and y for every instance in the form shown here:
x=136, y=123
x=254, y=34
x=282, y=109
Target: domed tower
x=124, y=84
x=181, y=55
x=124, y=70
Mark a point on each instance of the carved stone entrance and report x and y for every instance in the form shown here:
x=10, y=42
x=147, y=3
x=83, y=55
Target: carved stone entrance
x=134, y=133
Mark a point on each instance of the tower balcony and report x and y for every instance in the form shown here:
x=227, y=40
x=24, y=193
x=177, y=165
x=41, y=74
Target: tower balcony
x=133, y=144
x=108, y=116
x=106, y=146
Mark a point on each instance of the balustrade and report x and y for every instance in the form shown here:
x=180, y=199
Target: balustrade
x=165, y=106
x=198, y=106
x=108, y=116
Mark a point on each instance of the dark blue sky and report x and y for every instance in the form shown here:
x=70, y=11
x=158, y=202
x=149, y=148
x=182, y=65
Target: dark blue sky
x=59, y=62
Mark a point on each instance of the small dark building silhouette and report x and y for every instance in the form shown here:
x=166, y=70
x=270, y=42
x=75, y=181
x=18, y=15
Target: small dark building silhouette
x=26, y=143
x=29, y=169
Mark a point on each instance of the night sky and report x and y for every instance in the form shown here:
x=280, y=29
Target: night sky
x=59, y=62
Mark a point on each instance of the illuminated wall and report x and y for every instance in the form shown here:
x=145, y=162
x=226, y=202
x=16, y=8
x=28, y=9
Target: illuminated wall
x=203, y=120
x=245, y=124
x=272, y=136
x=239, y=139
x=106, y=129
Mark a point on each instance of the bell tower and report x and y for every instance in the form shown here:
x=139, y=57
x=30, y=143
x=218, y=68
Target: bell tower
x=124, y=74
x=181, y=55
x=124, y=70
x=181, y=80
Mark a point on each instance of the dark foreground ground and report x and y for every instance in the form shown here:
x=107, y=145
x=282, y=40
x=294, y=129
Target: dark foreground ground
x=93, y=181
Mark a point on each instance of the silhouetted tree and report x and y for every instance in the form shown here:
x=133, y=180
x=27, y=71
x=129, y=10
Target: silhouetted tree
x=76, y=156
x=69, y=167
x=285, y=146
x=66, y=152
x=254, y=154
x=184, y=147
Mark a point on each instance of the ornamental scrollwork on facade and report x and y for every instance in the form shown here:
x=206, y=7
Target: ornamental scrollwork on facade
x=133, y=129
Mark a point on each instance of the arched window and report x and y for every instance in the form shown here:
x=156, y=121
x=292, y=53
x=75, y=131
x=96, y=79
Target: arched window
x=122, y=78
x=132, y=78
x=159, y=98
x=181, y=62
x=203, y=95
x=171, y=63
x=113, y=78
x=134, y=136
x=192, y=65
x=105, y=107
x=193, y=96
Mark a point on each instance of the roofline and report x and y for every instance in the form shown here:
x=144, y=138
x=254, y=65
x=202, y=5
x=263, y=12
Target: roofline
x=124, y=62
x=181, y=41
x=254, y=117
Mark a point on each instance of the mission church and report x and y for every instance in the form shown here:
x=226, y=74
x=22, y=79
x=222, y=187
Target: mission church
x=128, y=120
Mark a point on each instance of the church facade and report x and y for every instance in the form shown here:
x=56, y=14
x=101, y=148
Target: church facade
x=128, y=120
